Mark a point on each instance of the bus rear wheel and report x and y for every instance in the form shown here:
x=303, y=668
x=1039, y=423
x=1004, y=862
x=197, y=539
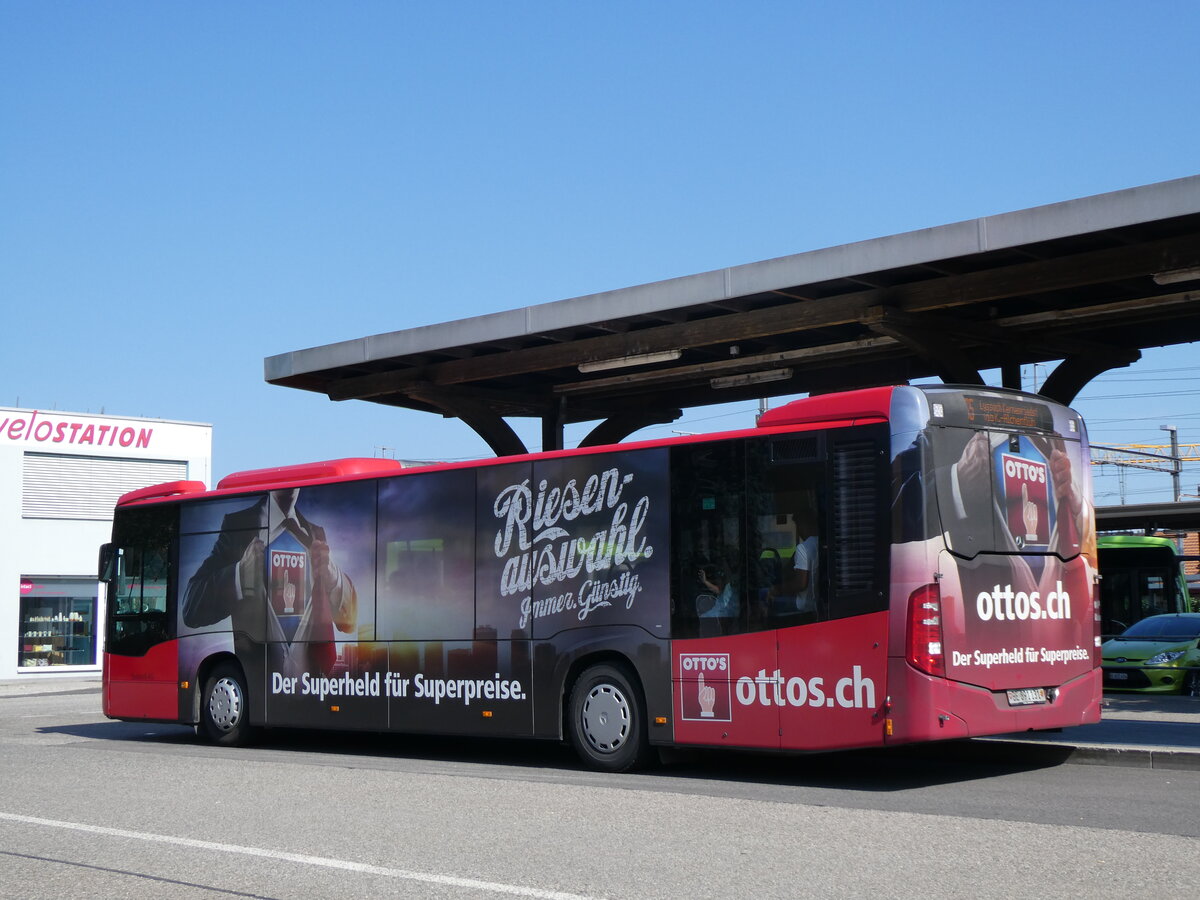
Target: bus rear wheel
x=608, y=720
x=224, y=709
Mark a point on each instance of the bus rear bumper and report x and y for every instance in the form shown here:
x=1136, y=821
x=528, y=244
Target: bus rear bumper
x=955, y=710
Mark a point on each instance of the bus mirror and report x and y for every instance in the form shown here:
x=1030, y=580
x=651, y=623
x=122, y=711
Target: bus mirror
x=108, y=556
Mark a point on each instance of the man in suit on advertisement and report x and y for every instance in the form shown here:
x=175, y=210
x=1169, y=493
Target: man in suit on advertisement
x=270, y=571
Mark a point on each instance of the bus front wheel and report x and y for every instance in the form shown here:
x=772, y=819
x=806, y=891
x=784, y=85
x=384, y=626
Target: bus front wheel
x=608, y=720
x=224, y=710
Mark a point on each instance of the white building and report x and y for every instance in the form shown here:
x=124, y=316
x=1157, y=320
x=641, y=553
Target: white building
x=60, y=477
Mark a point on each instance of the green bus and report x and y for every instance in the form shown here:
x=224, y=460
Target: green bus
x=1141, y=575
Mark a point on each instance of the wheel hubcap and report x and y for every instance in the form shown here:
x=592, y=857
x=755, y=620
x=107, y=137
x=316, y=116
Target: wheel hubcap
x=225, y=704
x=605, y=718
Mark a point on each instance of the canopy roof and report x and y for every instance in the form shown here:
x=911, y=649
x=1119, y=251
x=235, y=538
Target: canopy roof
x=1090, y=282
x=1149, y=517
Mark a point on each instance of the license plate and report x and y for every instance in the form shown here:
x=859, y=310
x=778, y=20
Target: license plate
x=1027, y=697
x=1118, y=676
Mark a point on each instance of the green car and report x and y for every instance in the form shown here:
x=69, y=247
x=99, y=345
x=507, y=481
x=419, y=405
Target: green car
x=1158, y=655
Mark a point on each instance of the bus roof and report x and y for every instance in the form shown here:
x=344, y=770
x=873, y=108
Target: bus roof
x=862, y=406
x=1143, y=541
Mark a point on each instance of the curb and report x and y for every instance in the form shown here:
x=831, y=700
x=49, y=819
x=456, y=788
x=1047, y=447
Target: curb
x=44, y=687
x=37, y=693
x=1007, y=750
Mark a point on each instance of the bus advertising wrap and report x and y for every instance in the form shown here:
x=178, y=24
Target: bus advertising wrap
x=1016, y=557
x=890, y=565
x=413, y=602
x=568, y=542
x=798, y=689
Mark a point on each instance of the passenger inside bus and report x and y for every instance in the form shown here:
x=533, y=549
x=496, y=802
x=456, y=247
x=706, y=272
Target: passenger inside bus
x=717, y=607
x=793, y=590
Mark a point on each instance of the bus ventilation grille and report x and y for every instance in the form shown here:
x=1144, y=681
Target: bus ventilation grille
x=796, y=449
x=855, y=515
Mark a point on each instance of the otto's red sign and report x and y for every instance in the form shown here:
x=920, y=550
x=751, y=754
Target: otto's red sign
x=1027, y=499
x=287, y=581
x=704, y=687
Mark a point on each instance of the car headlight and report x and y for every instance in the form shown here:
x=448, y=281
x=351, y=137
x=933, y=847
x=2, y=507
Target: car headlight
x=1160, y=658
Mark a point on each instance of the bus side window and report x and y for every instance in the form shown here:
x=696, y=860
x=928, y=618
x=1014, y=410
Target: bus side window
x=710, y=583
x=784, y=512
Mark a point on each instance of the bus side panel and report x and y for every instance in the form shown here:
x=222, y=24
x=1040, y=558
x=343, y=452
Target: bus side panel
x=813, y=687
x=194, y=651
x=920, y=709
x=569, y=652
x=143, y=687
x=723, y=690
x=477, y=687
x=457, y=687
x=831, y=685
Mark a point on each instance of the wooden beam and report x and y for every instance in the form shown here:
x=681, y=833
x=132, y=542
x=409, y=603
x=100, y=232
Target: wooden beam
x=1073, y=374
x=619, y=427
x=945, y=355
x=552, y=426
x=995, y=331
x=701, y=372
x=481, y=418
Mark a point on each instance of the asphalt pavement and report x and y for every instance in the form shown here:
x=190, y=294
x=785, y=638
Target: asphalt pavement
x=1138, y=730
x=1158, y=731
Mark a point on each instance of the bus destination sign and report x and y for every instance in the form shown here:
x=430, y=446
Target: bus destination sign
x=994, y=411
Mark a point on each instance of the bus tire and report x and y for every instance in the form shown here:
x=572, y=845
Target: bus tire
x=608, y=720
x=224, y=707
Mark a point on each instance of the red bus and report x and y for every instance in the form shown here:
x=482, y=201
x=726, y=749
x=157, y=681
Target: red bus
x=877, y=567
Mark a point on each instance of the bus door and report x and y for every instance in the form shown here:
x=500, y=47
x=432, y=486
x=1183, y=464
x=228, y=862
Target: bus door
x=141, y=658
x=800, y=661
x=724, y=691
x=724, y=655
x=830, y=687
x=1142, y=576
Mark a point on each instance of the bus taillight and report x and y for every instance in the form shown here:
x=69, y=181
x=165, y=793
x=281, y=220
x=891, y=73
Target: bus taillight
x=925, y=630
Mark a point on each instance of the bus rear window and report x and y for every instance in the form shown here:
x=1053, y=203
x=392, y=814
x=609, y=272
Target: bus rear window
x=996, y=490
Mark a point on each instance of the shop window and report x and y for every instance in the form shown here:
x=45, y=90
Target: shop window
x=57, y=622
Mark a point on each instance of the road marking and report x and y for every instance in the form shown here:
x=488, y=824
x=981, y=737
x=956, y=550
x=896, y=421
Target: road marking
x=304, y=859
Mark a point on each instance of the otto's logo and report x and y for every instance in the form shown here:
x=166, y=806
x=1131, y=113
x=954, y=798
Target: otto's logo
x=287, y=582
x=704, y=687
x=1024, y=470
x=1027, y=500
x=704, y=662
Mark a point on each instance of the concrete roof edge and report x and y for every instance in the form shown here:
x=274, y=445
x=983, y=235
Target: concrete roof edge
x=1129, y=206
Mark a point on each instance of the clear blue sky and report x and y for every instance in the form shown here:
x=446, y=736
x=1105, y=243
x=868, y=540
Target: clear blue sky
x=186, y=189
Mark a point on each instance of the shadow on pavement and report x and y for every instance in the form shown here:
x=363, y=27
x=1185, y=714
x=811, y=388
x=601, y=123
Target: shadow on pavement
x=874, y=770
